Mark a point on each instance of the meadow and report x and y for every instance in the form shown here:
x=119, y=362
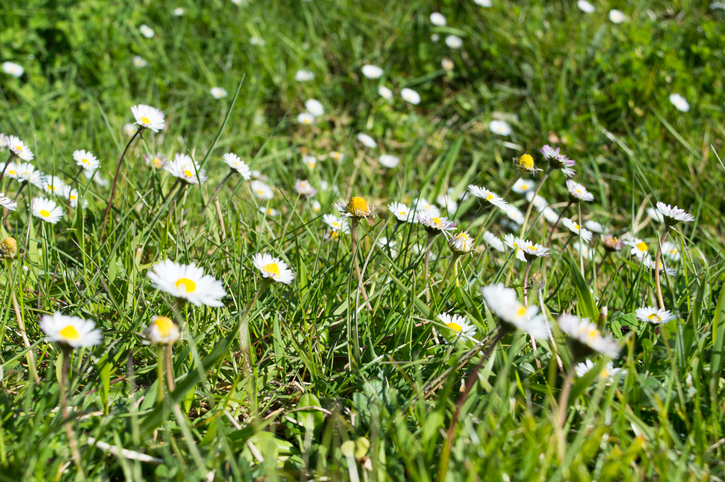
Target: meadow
x=341, y=240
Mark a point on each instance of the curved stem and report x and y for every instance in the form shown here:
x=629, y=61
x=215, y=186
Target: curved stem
x=354, y=242
x=657, y=267
x=531, y=204
x=563, y=404
x=115, y=181
x=21, y=324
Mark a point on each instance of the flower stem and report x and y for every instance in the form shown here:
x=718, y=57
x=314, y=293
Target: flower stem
x=30, y=355
x=244, y=329
x=2, y=174
x=354, y=242
x=431, y=238
x=447, y=273
x=160, y=372
x=563, y=403
x=551, y=234
x=115, y=181
x=64, y=384
x=657, y=267
x=169, y=369
x=216, y=191
x=531, y=204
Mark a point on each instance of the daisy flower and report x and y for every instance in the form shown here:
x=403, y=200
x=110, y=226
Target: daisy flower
x=435, y=38
x=648, y=262
x=550, y=215
x=608, y=373
x=337, y=225
x=586, y=338
x=261, y=190
x=584, y=250
x=402, y=213
x=586, y=235
x=422, y=205
x=303, y=188
x=316, y=206
x=445, y=200
x=514, y=315
x=616, y=16
x=674, y=215
x=371, y=71
x=337, y=156
x=218, y=92
x=447, y=64
x=357, y=207
x=531, y=250
x=585, y=6
x=268, y=211
x=309, y=161
x=304, y=76
x=679, y=102
x=257, y=41
x=487, y=197
x=557, y=160
x=129, y=130
x=653, y=315
x=539, y=202
x=70, y=330
x=71, y=195
x=437, y=19
x=639, y=247
x=306, y=119
x=53, y=185
x=273, y=268
x=483, y=3
x=187, y=282
x=86, y=160
x=13, y=69
x=178, y=12
x=6, y=202
x=385, y=93
x=367, y=141
x=389, y=161
x=499, y=127
x=514, y=214
x=139, y=62
x=11, y=171
x=236, y=164
x=162, y=331
x=612, y=243
x=461, y=243
x=315, y=107
x=670, y=250
x=184, y=168
x=454, y=41
x=388, y=246
x=525, y=164
x=522, y=186
x=148, y=117
x=46, y=210
x=3, y=143
x=96, y=178
x=493, y=242
x=577, y=192
x=435, y=225
x=19, y=149
x=146, y=31
x=594, y=227
x=410, y=96
x=656, y=215
x=457, y=326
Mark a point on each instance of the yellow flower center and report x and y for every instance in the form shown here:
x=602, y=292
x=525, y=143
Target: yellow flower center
x=272, y=269
x=578, y=191
x=44, y=213
x=69, y=333
x=85, y=161
x=521, y=311
x=462, y=237
x=604, y=373
x=655, y=317
x=19, y=148
x=12, y=172
x=270, y=211
x=157, y=162
x=436, y=221
x=357, y=206
x=524, y=186
x=145, y=120
x=188, y=285
x=455, y=327
x=188, y=173
x=337, y=225
x=674, y=251
x=260, y=192
x=335, y=155
x=164, y=325
x=591, y=334
x=73, y=197
x=490, y=196
x=526, y=161
x=641, y=246
x=576, y=226
x=531, y=248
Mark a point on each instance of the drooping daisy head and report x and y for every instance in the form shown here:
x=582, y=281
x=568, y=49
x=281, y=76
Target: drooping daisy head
x=13, y=69
x=273, y=268
x=372, y=71
x=435, y=225
x=531, y=250
x=522, y=186
x=148, y=117
x=303, y=188
x=504, y=303
x=367, y=141
x=261, y=190
x=653, y=315
x=402, y=213
x=218, y=92
x=70, y=331
x=187, y=282
x=184, y=168
x=47, y=210
x=356, y=207
x=19, y=149
x=410, y=96
x=680, y=102
x=385, y=92
x=336, y=225
x=6, y=202
x=437, y=19
x=162, y=331
x=525, y=164
x=574, y=227
x=586, y=339
x=456, y=327
x=304, y=75
x=461, y=243
x=306, y=118
x=557, y=160
x=314, y=107
x=486, y=197
x=389, y=161
x=86, y=160
x=674, y=215
x=236, y=164
x=501, y=128
x=454, y=42
x=577, y=192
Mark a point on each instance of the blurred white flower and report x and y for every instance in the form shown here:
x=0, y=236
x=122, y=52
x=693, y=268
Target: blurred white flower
x=435, y=38
x=367, y=141
x=218, y=92
x=523, y=185
x=306, y=119
x=372, y=71
x=483, y=3
x=679, y=102
x=616, y=16
x=310, y=161
x=13, y=69
x=500, y=127
x=315, y=107
x=454, y=42
x=178, y=12
x=585, y=6
x=261, y=190
x=438, y=19
x=146, y=31
x=409, y=95
x=304, y=76
x=385, y=93
x=259, y=42
x=139, y=62
x=447, y=64
x=389, y=161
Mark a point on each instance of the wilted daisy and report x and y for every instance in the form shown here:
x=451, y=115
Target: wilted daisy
x=648, y=262
x=458, y=327
x=514, y=214
x=435, y=225
x=671, y=251
x=493, y=242
x=47, y=210
x=438, y=19
x=309, y=161
x=366, y=140
x=531, y=250
x=218, y=92
x=19, y=149
x=653, y=315
x=402, y=213
x=410, y=96
x=502, y=128
x=616, y=16
x=236, y=164
x=158, y=160
x=86, y=160
x=162, y=331
x=639, y=247
x=594, y=227
x=389, y=161
x=586, y=338
x=139, y=62
x=447, y=64
x=187, y=282
x=315, y=107
x=454, y=41
x=53, y=185
x=608, y=373
x=184, y=168
x=557, y=160
x=6, y=202
x=385, y=93
x=357, y=207
x=371, y=71
x=522, y=186
x=679, y=102
x=148, y=117
x=146, y=31
x=539, y=202
x=337, y=225
x=612, y=243
x=8, y=250
x=13, y=69
x=71, y=331
x=486, y=197
x=574, y=227
x=261, y=190
x=306, y=118
x=303, y=188
x=503, y=302
x=461, y=243
x=273, y=268
x=585, y=6
x=674, y=215
x=577, y=192
x=304, y=75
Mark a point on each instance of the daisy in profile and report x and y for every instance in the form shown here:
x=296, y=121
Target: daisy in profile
x=616, y=16
x=70, y=331
x=303, y=188
x=613, y=244
x=550, y=215
x=338, y=157
x=447, y=202
x=388, y=161
x=6, y=202
x=437, y=19
x=586, y=339
x=487, y=197
x=309, y=161
x=653, y=315
x=372, y=71
x=306, y=119
x=577, y=192
x=19, y=149
x=499, y=127
x=86, y=160
x=46, y=210
x=385, y=92
x=236, y=164
x=671, y=251
x=525, y=164
x=447, y=64
x=261, y=190
x=356, y=208
x=162, y=331
x=673, y=215
x=532, y=251
x=435, y=225
x=316, y=206
x=522, y=186
x=410, y=96
x=656, y=215
x=304, y=75
x=680, y=102
x=146, y=31
x=315, y=107
x=139, y=62
x=454, y=41
x=457, y=328
x=594, y=227
x=574, y=227
x=504, y=303
x=218, y=92
x=514, y=214
x=461, y=243
x=608, y=373
x=367, y=141
x=183, y=167
x=513, y=242
x=402, y=213
x=148, y=117
x=483, y=3
x=53, y=185
x=557, y=160
x=13, y=69
x=187, y=282
x=585, y=6
x=273, y=269
x=493, y=242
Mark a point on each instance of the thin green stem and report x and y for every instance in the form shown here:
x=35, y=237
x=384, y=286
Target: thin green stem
x=531, y=204
x=657, y=267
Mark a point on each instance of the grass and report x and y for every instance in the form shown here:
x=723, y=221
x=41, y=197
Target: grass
x=339, y=390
